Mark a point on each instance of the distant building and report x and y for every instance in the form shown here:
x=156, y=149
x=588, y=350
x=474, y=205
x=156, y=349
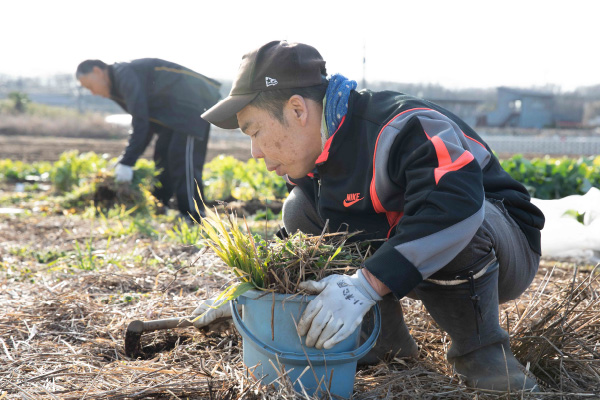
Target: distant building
x=591, y=114
x=522, y=108
x=467, y=110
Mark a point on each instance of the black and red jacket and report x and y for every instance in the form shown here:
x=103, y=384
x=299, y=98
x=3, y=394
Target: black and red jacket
x=406, y=169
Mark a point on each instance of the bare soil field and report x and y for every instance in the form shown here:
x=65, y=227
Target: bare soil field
x=44, y=148
x=69, y=287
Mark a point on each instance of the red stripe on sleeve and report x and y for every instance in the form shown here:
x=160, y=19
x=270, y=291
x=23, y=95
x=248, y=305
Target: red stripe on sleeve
x=441, y=151
x=476, y=141
x=460, y=162
x=445, y=161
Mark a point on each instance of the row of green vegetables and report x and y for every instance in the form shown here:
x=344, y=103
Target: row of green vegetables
x=228, y=178
x=553, y=178
x=225, y=178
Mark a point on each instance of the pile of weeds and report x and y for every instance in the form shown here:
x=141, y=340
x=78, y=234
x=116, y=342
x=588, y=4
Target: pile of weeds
x=105, y=193
x=279, y=265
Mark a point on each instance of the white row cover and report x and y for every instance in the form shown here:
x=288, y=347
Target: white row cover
x=563, y=235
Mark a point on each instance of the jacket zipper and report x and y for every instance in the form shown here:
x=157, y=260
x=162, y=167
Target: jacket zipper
x=319, y=190
x=317, y=178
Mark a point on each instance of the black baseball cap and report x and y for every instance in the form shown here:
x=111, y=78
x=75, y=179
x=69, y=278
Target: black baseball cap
x=273, y=66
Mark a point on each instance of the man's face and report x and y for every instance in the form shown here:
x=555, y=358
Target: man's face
x=96, y=81
x=288, y=148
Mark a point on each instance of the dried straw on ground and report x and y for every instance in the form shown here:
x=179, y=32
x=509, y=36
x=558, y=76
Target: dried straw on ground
x=61, y=335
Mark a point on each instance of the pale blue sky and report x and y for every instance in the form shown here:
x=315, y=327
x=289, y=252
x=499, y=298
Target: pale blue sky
x=459, y=43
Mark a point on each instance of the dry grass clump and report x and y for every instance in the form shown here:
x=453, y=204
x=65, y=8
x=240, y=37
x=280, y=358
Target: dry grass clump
x=559, y=334
x=105, y=193
x=278, y=265
x=301, y=257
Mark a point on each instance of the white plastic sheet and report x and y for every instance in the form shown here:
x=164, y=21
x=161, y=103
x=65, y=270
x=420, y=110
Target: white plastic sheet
x=563, y=235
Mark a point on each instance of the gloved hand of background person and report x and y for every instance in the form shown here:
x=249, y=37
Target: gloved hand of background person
x=123, y=173
x=212, y=315
x=337, y=311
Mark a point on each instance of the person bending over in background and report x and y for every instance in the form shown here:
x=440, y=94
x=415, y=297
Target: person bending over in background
x=462, y=235
x=166, y=99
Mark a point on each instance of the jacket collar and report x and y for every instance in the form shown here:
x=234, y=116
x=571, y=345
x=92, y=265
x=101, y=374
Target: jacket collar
x=114, y=94
x=341, y=127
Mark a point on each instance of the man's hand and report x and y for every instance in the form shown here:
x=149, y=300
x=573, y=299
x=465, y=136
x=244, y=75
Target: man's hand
x=123, y=173
x=210, y=315
x=337, y=311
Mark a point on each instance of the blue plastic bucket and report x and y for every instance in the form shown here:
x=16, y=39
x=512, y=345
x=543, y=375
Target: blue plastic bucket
x=268, y=329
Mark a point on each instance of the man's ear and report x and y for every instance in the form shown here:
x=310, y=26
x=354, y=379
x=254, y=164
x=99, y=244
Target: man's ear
x=99, y=72
x=299, y=109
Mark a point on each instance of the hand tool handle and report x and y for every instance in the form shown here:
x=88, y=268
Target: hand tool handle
x=168, y=323
x=139, y=327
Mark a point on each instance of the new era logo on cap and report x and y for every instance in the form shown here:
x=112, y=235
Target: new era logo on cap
x=270, y=81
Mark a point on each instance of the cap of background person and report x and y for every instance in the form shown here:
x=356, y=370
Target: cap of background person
x=273, y=66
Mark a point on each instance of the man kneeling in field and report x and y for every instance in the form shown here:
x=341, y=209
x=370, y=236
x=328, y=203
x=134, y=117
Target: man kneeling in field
x=462, y=235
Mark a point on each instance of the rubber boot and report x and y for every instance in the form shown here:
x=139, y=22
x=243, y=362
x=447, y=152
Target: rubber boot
x=394, y=339
x=467, y=309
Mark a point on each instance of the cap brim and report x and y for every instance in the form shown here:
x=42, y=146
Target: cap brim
x=223, y=114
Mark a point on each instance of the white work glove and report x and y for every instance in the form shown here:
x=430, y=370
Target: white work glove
x=337, y=311
x=123, y=173
x=211, y=315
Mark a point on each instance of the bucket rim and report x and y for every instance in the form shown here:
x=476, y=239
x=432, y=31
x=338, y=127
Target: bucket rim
x=295, y=357
x=254, y=294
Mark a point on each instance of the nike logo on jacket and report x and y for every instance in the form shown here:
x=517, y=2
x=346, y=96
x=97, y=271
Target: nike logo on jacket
x=352, y=198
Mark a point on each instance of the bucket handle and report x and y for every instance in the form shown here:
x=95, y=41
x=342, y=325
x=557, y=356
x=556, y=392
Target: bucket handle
x=287, y=356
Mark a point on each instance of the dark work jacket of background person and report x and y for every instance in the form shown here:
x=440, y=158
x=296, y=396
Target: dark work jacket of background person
x=160, y=95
